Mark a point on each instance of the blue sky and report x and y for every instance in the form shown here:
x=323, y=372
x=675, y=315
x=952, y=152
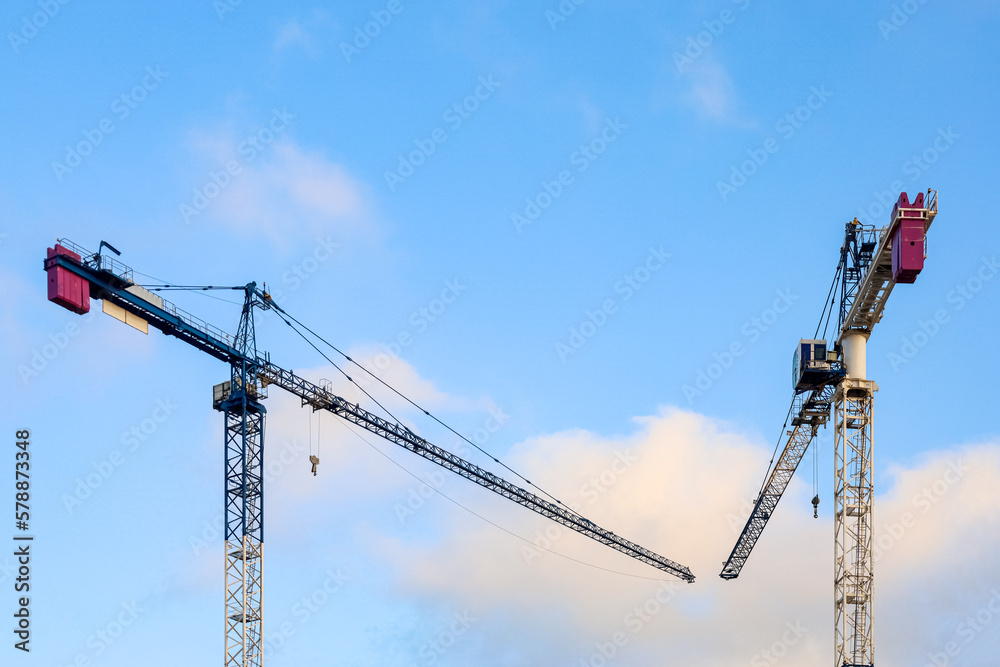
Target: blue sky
x=564, y=214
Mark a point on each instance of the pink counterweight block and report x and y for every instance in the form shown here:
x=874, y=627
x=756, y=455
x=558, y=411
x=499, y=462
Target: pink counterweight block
x=908, y=239
x=66, y=288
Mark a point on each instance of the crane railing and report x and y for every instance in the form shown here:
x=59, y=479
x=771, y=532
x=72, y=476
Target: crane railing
x=112, y=282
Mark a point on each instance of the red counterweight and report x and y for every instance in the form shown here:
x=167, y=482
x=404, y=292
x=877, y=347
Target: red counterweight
x=907, y=239
x=65, y=287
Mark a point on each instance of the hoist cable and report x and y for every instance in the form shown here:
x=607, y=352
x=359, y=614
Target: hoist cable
x=411, y=402
x=775, y=452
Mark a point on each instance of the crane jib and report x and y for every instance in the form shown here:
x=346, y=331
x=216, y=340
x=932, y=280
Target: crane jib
x=400, y=435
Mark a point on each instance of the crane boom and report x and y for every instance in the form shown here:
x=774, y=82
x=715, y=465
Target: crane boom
x=810, y=412
x=111, y=281
x=321, y=399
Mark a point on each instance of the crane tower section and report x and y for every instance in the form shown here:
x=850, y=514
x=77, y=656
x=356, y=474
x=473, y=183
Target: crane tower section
x=867, y=280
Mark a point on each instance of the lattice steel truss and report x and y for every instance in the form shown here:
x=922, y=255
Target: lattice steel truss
x=809, y=411
x=853, y=522
x=244, y=497
x=244, y=529
x=321, y=399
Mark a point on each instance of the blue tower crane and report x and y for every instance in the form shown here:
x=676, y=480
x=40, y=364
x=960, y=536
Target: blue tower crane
x=75, y=276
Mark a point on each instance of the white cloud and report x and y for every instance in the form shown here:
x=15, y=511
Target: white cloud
x=311, y=34
x=593, y=117
x=710, y=91
x=675, y=485
x=290, y=189
x=677, y=499
x=275, y=188
x=938, y=533
x=292, y=34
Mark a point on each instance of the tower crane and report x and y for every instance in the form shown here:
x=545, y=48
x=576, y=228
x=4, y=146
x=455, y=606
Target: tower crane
x=832, y=383
x=75, y=276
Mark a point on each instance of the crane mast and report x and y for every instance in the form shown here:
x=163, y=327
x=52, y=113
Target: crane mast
x=833, y=384
x=76, y=275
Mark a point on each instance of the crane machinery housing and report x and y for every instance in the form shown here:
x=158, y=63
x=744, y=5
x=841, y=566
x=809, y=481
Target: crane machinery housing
x=830, y=382
x=75, y=276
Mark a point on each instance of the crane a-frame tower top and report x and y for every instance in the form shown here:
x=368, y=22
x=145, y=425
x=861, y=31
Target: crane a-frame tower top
x=75, y=276
x=831, y=382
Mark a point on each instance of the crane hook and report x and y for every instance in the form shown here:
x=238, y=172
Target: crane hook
x=314, y=460
x=815, y=506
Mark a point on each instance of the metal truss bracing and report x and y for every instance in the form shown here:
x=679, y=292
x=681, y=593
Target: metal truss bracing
x=867, y=302
x=244, y=497
x=855, y=257
x=853, y=521
x=809, y=412
x=321, y=399
x=244, y=528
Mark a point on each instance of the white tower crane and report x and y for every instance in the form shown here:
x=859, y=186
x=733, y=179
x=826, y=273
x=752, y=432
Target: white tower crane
x=834, y=383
